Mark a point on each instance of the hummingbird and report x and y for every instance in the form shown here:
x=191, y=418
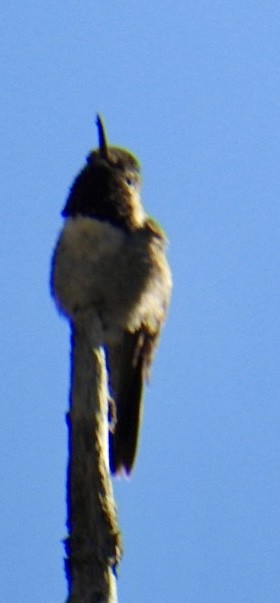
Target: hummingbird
x=110, y=258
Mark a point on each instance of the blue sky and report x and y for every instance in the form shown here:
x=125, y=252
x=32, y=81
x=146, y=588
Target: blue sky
x=192, y=88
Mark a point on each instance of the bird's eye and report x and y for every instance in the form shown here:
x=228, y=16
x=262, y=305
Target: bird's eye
x=129, y=181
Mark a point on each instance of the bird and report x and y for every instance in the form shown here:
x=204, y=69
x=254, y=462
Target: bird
x=110, y=259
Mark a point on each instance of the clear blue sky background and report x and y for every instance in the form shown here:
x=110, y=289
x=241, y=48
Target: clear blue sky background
x=193, y=88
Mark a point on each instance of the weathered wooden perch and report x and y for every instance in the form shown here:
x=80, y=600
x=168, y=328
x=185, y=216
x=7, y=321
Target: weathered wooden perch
x=93, y=546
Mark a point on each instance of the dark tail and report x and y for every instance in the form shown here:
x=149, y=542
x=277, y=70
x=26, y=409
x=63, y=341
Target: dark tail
x=128, y=399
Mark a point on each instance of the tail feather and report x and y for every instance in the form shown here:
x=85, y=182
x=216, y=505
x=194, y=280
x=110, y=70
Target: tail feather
x=123, y=442
x=128, y=399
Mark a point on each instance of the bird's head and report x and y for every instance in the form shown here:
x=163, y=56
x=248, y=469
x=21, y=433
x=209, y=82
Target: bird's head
x=108, y=188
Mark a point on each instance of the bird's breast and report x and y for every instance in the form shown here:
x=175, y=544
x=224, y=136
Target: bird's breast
x=123, y=276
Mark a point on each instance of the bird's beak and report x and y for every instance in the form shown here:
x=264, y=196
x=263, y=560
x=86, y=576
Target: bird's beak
x=103, y=147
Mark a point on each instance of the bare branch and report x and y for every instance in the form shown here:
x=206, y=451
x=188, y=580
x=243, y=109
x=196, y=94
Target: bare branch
x=94, y=546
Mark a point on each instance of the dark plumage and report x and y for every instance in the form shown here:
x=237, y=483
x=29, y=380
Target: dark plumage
x=110, y=260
